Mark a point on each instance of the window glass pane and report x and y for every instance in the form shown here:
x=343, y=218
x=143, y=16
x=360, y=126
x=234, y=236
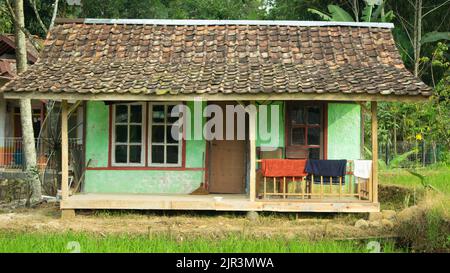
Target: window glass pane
x=121, y=153
x=314, y=153
x=172, y=154
x=314, y=115
x=297, y=114
x=121, y=113
x=136, y=113
x=158, y=133
x=158, y=113
x=170, y=137
x=157, y=154
x=135, y=133
x=314, y=136
x=298, y=136
x=172, y=118
x=121, y=133
x=135, y=154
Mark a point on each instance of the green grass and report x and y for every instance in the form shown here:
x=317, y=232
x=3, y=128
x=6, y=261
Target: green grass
x=165, y=243
x=438, y=177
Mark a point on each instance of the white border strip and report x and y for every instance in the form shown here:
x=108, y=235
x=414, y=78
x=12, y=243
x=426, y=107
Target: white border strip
x=233, y=22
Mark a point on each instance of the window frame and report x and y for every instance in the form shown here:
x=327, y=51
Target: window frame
x=322, y=126
x=113, y=135
x=164, y=144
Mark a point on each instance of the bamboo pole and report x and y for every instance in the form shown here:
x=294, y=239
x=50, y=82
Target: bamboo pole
x=374, y=194
x=64, y=152
x=265, y=187
x=252, y=137
x=321, y=186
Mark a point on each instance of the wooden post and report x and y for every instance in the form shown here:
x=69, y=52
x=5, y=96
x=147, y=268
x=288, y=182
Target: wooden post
x=64, y=152
x=252, y=125
x=373, y=105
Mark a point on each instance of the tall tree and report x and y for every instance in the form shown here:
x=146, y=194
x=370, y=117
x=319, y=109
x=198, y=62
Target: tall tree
x=29, y=148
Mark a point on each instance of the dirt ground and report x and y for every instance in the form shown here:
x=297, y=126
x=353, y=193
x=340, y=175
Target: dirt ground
x=46, y=218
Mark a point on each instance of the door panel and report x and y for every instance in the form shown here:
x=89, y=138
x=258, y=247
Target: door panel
x=228, y=164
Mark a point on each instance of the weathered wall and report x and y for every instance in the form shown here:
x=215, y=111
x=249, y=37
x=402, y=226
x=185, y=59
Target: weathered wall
x=97, y=130
x=142, y=181
x=135, y=181
x=344, y=131
x=343, y=143
x=273, y=142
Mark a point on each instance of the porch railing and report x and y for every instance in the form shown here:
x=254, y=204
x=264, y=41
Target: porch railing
x=12, y=157
x=291, y=188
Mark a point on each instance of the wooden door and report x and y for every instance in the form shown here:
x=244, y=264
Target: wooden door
x=227, y=164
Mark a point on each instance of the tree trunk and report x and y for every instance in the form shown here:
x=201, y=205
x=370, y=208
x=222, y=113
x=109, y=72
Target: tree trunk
x=395, y=136
x=434, y=152
x=417, y=35
x=29, y=149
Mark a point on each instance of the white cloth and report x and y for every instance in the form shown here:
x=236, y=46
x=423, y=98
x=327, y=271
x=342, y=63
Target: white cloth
x=363, y=168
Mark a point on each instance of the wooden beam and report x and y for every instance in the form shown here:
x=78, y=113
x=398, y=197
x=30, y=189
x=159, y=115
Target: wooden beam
x=373, y=106
x=64, y=152
x=214, y=97
x=205, y=202
x=252, y=125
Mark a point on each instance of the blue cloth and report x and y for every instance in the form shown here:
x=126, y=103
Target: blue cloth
x=327, y=169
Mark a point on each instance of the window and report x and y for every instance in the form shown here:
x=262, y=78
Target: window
x=128, y=134
x=164, y=148
x=305, y=128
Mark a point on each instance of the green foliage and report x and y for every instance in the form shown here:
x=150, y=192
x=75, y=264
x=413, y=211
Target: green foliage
x=6, y=22
x=294, y=9
x=436, y=176
x=175, y=9
x=336, y=14
x=397, y=160
x=435, y=36
x=168, y=242
x=367, y=13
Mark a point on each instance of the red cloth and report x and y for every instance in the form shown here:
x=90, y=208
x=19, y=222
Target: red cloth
x=283, y=167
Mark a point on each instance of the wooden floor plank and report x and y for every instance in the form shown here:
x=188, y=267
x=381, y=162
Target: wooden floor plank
x=229, y=202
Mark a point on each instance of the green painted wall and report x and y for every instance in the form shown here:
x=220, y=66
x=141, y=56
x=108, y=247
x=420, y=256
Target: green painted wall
x=97, y=130
x=344, y=131
x=278, y=142
x=135, y=181
x=142, y=181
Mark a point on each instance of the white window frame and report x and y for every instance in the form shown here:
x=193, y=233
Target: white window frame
x=128, y=123
x=164, y=144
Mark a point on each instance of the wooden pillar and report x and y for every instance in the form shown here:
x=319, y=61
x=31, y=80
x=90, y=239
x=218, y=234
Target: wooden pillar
x=64, y=152
x=373, y=107
x=252, y=126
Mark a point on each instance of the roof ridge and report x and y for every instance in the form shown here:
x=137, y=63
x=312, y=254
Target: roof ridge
x=203, y=22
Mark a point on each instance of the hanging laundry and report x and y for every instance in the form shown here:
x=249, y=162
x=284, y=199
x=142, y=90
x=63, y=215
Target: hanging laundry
x=326, y=168
x=283, y=167
x=362, y=168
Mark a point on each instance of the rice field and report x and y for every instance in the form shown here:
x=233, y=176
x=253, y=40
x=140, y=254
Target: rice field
x=165, y=243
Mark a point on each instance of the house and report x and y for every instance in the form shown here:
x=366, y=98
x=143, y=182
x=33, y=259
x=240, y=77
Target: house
x=130, y=74
x=10, y=126
x=11, y=156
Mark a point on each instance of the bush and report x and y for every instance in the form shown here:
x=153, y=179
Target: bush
x=428, y=229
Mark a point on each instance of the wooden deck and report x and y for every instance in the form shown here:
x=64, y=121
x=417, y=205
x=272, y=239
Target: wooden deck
x=229, y=202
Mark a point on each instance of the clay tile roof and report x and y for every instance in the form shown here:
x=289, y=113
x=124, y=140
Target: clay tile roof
x=8, y=40
x=135, y=57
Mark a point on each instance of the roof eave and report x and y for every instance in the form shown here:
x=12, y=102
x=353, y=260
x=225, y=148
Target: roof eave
x=202, y=22
x=217, y=97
